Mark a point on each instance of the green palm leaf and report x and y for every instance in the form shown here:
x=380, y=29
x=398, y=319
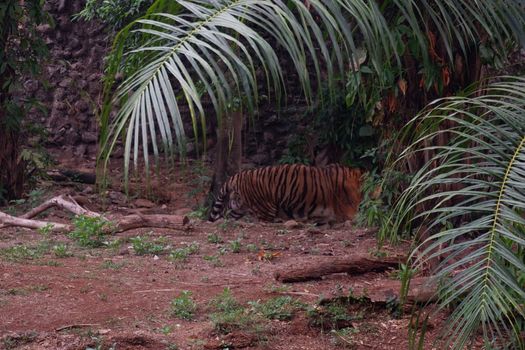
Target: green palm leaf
x=484, y=243
x=218, y=48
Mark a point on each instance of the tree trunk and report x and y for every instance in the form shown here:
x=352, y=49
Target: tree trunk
x=11, y=167
x=229, y=151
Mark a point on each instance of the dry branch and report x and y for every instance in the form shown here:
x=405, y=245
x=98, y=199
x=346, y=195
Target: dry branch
x=353, y=265
x=67, y=203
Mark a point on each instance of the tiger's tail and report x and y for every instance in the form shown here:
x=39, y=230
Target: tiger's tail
x=217, y=210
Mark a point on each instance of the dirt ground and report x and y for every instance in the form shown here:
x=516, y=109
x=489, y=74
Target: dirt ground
x=55, y=294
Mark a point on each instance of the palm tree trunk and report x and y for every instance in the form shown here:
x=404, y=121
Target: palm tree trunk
x=228, y=159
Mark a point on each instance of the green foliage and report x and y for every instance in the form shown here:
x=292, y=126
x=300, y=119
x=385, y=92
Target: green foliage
x=235, y=246
x=477, y=223
x=145, y=246
x=20, y=253
x=280, y=308
x=331, y=316
x=116, y=13
x=183, y=306
x=214, y=238
x=90, y=231
x=231, y=316
x=181, y=255
x=61, y=250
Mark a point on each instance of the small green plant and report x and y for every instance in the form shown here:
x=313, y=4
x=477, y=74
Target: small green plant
x=230, y=315
x=280, y=308
x=214, y=238
x=343, y=337
x=200, y=213
x=61, y=250
x=109, y=264
x=235, y=246
x=180, y=255
x=183, y=306
x=331, y=316
x=166, y=330
x=22, y=252
x=214, y=260
x=405, y=275
x=90, y=231
x=252, y=248
x=143, y=246
x=46, y=230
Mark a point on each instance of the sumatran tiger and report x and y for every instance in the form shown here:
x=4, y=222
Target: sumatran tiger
x=293, y=191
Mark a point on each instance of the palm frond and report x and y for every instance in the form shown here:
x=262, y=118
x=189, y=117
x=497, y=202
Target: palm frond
x=473, y=198
x=221, y=48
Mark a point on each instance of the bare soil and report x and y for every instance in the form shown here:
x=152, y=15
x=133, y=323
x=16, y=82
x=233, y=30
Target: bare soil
x=113, y=298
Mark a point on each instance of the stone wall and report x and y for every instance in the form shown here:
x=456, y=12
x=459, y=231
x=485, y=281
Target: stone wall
x=71, y=84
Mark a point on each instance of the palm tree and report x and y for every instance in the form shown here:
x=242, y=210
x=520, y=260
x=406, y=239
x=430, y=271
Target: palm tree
x=222, y=48
x=473, y=194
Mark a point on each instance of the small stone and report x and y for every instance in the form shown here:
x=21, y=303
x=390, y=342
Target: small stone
x=292, y=224
x=89, y=137
x=88, y=190
x=124, y=251
x=80, y=150
x=81, y=106
x=65, y=83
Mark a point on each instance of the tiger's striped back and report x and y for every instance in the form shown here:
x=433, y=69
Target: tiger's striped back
x=292, y=191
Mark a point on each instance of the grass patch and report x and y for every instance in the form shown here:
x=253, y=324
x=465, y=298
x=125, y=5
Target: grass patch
x=214, y=238
x=280, y=308
x=180, y=255
x=183, y=306
x=89, y=232
x=20, y=253
x=61, y=250
x=144, y=246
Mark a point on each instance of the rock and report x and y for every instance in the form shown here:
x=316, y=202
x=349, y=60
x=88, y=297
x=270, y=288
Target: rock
x=88, y=190
x=292, y=224
x=89, y=137
x=123, y=251
x=117, y=197
x=143, y=203
x=65, y=82
x=74, y=43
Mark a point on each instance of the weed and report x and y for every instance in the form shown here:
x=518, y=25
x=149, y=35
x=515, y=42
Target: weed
x=183, y=306
x=18, y=253
x=166, y=330
x=214, y=260
x=181, y=254
x=17, y=341
x=273, y=288
x=227, y=224
x=143, y=246
x=61, y=251
x=89, y=231
x=214, y=238
x=252, y=248
x=200, y=213
x=280, y=308
x=46, y=230
x=229, y=315
x=405, y=274
x=235, y=246
x=109, y=264
x=332, y=316
x=103, y=297
x=343, y=337
x=282, y=232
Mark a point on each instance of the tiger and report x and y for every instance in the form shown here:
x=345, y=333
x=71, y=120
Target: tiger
x=292, y=191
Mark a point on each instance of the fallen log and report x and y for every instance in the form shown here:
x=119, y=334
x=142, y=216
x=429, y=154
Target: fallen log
x=67, y=203
x=353, y=265
x=421, y=290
